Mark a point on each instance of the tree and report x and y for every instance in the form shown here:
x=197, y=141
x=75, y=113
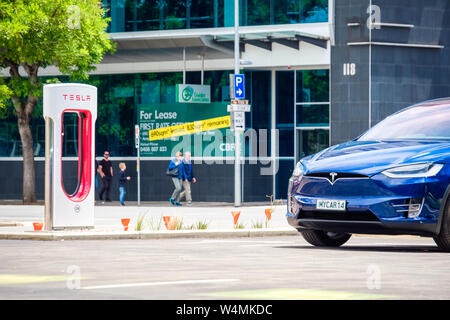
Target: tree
x=34, y=34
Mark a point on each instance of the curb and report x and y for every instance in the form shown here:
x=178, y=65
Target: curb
x=122, y=235
x=11, y=224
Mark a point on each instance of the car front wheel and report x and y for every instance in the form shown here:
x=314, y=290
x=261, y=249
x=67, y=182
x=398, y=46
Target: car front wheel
x=443, y=239
x=320, y=238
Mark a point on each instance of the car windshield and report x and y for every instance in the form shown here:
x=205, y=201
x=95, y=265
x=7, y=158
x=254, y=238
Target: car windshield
x=426, y=122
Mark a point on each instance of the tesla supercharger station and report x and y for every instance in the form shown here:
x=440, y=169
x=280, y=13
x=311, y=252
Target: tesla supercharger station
x=74, y=210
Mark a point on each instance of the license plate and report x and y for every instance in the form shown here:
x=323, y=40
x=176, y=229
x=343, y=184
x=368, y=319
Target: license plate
x=336, y=205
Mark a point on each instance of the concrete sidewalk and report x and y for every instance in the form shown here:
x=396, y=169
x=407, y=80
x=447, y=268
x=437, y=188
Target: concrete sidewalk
x=16, y=222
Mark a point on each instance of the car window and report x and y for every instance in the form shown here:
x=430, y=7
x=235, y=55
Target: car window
x=415, y=123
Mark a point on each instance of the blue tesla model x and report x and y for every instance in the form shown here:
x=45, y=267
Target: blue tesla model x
x=393, y=179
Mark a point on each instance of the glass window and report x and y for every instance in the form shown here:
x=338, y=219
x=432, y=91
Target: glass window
x=218, y=80
x=313, y=11
x=10, y=143
x=286, y=142
x=262, y=12
x=417, y=123
x=313, y=86
x=9, y=137
x=258, y=93
x=121, y=95
x=312, y=141
x=255, y=12
x=313, y=115
x=285, y=112
x=140, y=15
x=205, y=14
x=220, y=85
x=285, y=98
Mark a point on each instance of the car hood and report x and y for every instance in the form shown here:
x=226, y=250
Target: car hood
x=371, y=157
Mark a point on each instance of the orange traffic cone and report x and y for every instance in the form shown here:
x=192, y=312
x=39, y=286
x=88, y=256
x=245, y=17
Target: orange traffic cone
x=167, y=221
x=37, y=226
x=235, y=215
x=125, y=222
x=268, y=213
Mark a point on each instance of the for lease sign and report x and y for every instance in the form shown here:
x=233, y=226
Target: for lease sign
x=163, y=126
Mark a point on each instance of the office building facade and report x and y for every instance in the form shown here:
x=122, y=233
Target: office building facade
x=316, y=73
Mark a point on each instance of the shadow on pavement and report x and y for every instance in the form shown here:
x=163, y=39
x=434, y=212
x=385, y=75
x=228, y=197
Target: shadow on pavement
x=358, y=248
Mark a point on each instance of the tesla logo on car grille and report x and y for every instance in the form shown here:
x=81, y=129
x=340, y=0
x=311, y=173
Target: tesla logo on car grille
x=333, y=177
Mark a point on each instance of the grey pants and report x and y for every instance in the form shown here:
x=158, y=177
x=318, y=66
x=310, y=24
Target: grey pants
x=178, y=186
x=187, y=191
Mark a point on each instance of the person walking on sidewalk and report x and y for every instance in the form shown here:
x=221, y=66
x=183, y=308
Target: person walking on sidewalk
x=106, y=172
x=188, y=177
x=123, y=179
x=175, y=171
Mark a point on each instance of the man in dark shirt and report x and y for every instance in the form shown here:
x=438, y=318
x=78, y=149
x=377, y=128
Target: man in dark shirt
x=106, y=172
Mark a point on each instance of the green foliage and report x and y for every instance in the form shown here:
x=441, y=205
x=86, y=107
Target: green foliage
x=140, y=224
x=5, y=93
x=69, y=34
x=199, y=225
x=202, y=225
x=53, y=80
x=34, y=34
x=239, y=226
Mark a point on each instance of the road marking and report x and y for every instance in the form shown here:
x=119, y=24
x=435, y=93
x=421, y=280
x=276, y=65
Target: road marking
x=297, y=294
x=9, y=279
x=163, y=283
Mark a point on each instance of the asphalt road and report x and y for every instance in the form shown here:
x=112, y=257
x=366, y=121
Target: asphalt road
x=255, y=268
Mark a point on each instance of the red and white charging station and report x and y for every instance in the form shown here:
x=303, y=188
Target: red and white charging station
x=74, y=210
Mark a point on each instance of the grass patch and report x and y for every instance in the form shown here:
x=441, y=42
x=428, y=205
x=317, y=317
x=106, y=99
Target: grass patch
x=257, y=225
x=239, y=226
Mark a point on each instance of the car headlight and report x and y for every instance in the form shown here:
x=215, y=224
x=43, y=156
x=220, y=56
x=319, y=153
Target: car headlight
x=420, y=170
x=298, y=171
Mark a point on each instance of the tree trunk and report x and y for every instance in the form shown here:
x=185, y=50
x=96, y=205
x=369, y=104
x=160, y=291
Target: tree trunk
x=29, y=193
x=24, y=109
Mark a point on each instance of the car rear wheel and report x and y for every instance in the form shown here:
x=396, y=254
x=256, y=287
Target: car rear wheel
x=325, y=239
x=443, y=239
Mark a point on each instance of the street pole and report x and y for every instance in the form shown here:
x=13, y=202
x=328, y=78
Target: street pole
x=139, y=175
x=137, y=137
x=237, y=133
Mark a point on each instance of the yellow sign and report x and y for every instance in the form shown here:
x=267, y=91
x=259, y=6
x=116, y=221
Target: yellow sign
x=189, y=128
